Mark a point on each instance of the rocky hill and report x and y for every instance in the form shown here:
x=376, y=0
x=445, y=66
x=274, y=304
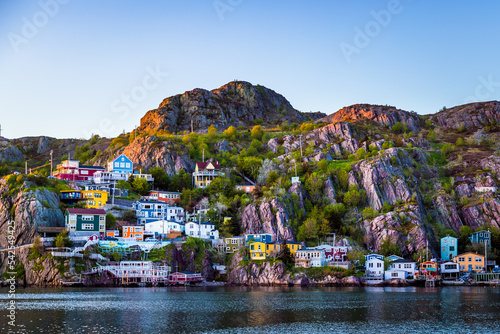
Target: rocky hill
x=383, y=115
x=469, y=116
x=236, y=103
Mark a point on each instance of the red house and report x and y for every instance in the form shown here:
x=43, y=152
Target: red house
x=184, y=277
x=170, y=197
x=71, y=170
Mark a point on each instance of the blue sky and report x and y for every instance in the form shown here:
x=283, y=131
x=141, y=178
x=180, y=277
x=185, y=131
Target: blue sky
x=70, y=68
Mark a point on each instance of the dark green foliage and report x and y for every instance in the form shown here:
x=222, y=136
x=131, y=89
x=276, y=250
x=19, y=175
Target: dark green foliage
x=388, y=248
x=463, y=240
x=161, y=178
x=110, y=221
x=284, y=254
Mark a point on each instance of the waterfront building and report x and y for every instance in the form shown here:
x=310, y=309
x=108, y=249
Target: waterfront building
x=402, y=265
x=469, y=262
x=429, y=268
x=394, y=274
x=83, y=222
x=449, y=270
x=449, y=248
x=185, y=277
x=257, y=250
x=374, y=265
x=310, y=257
x=204, y=173
x=334, y=253
x=481, y=237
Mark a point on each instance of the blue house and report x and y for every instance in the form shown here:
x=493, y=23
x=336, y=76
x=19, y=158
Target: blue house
x=374, y=256
x=121, y=164
x=260, y=237
x=151, y=211
x=481, y=237
x=449, y=248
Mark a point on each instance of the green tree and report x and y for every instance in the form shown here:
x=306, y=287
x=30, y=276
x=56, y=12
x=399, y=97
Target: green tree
x=63, y=240
x=212, y=132
x=285, y=255
x=431, y=136
x=230, y=133
x=141, y=186
x=129, y=216
x=460, y=142
x=463, y=240
x=257, y=132
x=308, y=230
x=322, y=165
x=314, y=187
x=110, y=221
x=249, y=165
x=353, y=197
x=343, y=178
x=388, y=248
x=446, y=232
x=161, y=178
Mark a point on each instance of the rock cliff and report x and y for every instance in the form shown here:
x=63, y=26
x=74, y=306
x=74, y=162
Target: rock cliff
x=470, y=116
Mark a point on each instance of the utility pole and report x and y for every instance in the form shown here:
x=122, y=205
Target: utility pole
x=113, y=197
x=51, y=151
x=300, y=138
x=26, y=167
x=486, y=255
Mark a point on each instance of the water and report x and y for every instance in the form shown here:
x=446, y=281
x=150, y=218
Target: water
x=255, y=310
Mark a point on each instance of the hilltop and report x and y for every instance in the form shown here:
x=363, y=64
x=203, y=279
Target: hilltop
x=237, y=103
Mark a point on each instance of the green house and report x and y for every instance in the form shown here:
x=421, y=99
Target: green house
x=82, y=222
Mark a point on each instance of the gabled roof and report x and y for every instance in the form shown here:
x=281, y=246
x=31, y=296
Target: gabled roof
x=119, y=157
x=203, y=165
x=403, y=261
x=87, y=211
x=92, y=167
x=164, y=192
x=476, y=254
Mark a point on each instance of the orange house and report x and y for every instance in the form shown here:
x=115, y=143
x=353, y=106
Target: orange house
x=133, y=232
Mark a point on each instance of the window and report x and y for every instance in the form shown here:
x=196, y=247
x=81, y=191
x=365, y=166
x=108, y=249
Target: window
x=87, y=226
x=379, y=265
x=87, y=218
x=370, y=265
x=102, y=227
x=462, y=267
x=84, y=172
x=478, y=259
x=122, y=164
x=117, y=164
x=461, y=259
x=128, y=164
x=452, y=248
x=102, y=218
x=394, y=274
x=72, y=217
x=479, y=267
x=470, y=259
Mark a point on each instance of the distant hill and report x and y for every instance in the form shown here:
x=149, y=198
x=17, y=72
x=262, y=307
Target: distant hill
x=236, y=103
x=470, y=116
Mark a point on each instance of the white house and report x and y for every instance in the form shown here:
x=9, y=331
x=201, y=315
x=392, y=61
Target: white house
x=449, y=270
x=374, y=265
x=408, y=267
x=149, y=211
x=310, y=257
x=202, y=230
x=393, y=274
x=163, y=227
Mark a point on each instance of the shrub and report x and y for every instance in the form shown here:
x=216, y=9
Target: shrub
x=431, y=136
x=460, y=142
x=461, y=128
x=369, y=213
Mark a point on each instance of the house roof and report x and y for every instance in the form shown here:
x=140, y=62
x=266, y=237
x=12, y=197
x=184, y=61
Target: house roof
x=87, y=211
x=186, y=272
x=201, y=223
x=203, y=165
x=120, y=156
x=476, y=254
x=91, y=167
x=402, y=261
x=164, y=192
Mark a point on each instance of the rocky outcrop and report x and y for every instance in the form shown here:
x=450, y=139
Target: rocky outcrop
x=492, y=163
x=9, y=152
x=487, y=213
x=470, y=116
x=329, y=191
x=383, y=115
x=29, y=210
x=236, y=103
x=405, y=229
x=266, y=217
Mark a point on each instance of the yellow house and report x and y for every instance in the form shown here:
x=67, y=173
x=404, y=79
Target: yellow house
x=94, y=198
x=257, y=251
x=204, y=173
x=261, y=250
x=470, y=262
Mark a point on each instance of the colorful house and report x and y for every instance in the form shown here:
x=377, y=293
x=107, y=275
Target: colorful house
x=334, y=253
x=248, y=188
x=121, y=164
x=234, y=244
x=402, y=265
x=82, y=222
x=204, y=173
x=449, y=270
x=449, y=248
x=172, y=198
x=429, y=268
x=184, y=277
x=259, y=237
x=94, y=198
x=133, y=232
x=204, y=230
x=71, y=170
x=150, y=211
x=70, y=196
x=481, y=237
x=257, y=250
x=469, y=262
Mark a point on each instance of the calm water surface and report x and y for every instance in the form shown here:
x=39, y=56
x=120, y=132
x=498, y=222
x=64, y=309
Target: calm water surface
x=255, y=310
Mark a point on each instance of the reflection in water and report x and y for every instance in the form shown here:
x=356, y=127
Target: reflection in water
x=244, y=309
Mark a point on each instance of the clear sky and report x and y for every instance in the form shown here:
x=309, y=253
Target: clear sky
x=70, y=68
